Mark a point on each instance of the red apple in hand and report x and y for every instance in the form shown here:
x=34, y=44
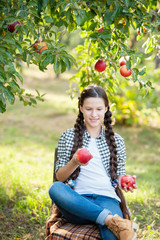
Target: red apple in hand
x=83, y=155
x=100, y=66
x=124, y=71
x=127, y=181
x=11, y=27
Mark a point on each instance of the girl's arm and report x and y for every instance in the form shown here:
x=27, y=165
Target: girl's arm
x=64, y=173
x=65, y=167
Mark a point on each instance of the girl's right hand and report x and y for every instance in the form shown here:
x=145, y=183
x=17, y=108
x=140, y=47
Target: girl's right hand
x=74, y=158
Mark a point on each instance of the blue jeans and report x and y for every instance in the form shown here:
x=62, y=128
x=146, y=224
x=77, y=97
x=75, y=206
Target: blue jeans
x=85, y=208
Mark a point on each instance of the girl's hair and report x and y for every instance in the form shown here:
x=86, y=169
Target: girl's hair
x=79, y=128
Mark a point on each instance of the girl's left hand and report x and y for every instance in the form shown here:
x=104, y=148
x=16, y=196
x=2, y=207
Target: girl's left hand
x=130, y=189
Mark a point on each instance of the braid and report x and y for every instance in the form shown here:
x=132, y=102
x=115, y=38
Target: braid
x=109, y=134
x=78, y=140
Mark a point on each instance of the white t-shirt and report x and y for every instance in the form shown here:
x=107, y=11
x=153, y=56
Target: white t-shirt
x=93, y=178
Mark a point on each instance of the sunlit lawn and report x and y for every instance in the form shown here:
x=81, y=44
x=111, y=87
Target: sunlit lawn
x=28, y=137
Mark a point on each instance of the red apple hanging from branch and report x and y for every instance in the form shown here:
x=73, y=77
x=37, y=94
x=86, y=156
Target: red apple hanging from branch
x=124, y=71
x=123, y=62
x=11, y=27
x=100, y=30
x=138, y=31
x=39, y=46
x=143, y=30
x=145, y=33
x=100, y=66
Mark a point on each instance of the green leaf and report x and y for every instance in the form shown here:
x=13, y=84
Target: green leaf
x=53, y=59
x=90, y=15
x=12, y=68
x=92, y=26
x=128, y=64
x=23, y=14
x=26, y=30
x=2, y=99
x=15, y=87
x=106, y=34
x=39, y=8
x=93, y=36
x=127, y=2
x=108, y=17
x=7, y=92
x=71, y=26
x=1, y=79
x=67, y=62
x=48, y=19
x=2, y=107
x=28, y=59
x=149, y=83
x=19, y=47
x=70, y=57
x=9, y=95
x=68, y=14
x=19, y=76
x=81, y=17
x=142, y=72
x=134, y=76
x=63, y=66
x=47, y=60
x=45, y=2
x=24, y=56
x=141, y=84
x=57, y=66
x=9, y=40
x=33, y=101
x=5, y=55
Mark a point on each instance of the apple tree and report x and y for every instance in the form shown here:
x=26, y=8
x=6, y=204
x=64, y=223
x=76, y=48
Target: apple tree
x=32, y=31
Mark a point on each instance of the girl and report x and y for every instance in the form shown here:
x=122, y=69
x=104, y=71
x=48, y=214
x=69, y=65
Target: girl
x=95, y=195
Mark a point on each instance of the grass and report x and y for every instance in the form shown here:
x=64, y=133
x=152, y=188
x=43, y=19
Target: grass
x=28, y=138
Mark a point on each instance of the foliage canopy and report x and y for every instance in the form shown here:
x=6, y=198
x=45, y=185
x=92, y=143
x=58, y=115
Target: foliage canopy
x=48, y=20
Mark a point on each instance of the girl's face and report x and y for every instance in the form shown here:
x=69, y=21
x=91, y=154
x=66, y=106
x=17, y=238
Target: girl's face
x=93, y=110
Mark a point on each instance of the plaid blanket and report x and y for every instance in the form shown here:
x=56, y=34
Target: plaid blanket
x=57, y=228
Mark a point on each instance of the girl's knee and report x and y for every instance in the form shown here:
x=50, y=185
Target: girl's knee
x=55, y=189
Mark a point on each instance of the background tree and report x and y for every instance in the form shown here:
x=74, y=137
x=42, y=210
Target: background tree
x=33, y=31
